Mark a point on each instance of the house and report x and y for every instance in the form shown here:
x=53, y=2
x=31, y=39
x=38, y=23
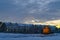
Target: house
x=46, y=30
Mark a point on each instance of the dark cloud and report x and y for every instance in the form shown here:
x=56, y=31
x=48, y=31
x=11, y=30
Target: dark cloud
x=17, y=10
x=54, y=9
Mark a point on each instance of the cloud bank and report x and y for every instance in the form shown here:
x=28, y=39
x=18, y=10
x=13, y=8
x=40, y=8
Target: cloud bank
x=27, y=10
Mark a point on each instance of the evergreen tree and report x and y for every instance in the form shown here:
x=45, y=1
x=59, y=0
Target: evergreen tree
x=3, y=27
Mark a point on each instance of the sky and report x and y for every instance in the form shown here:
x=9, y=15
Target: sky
x=27, y=10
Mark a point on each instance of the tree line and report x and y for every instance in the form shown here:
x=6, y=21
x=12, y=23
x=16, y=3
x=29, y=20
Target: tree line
x=25, y=28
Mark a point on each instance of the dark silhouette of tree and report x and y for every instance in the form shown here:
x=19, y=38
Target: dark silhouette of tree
x=3, y=27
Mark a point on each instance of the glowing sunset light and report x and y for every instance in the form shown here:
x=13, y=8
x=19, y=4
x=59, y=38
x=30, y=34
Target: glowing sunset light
x=53, y=22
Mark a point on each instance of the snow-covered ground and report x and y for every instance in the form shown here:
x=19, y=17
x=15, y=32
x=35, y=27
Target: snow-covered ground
x=11, y=36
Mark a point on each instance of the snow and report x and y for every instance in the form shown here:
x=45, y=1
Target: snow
x=12, y=36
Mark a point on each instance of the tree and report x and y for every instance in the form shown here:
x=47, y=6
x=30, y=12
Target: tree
x=3, y=27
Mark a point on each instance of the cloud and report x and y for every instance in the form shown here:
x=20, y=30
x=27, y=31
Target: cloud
x=29, y=5
x=21, y=9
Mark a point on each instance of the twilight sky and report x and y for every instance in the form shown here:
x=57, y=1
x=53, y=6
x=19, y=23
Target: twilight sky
x=27, y=10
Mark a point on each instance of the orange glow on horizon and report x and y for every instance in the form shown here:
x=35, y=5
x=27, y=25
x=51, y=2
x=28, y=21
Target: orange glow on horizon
x=54, y=22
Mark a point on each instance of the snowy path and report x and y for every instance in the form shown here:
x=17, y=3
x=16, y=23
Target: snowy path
x=10, y=36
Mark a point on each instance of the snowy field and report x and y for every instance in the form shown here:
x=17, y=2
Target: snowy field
x=11, y=36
